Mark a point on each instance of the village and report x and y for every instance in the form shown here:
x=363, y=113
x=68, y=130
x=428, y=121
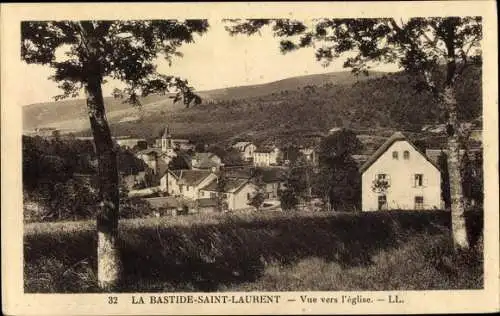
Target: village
x=156, y=161
x=179, y=177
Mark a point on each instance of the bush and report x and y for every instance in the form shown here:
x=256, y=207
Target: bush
x=261, y=251
x=135, y=208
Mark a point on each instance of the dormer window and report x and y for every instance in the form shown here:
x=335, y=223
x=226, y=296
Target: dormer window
x=406, y=155
x=395, y=155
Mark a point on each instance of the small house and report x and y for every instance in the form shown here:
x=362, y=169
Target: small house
x=237, y=193
x=185, y=183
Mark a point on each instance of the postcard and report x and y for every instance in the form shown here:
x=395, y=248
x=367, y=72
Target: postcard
x=249, y=158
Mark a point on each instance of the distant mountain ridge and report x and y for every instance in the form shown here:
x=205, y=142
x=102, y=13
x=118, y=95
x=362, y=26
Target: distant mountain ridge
x=286, y=109
x=241, y=92
x=71, y=114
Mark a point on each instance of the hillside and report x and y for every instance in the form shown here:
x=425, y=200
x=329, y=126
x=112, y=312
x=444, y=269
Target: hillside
x=384, y=103
x=289, y=84
x=71, y=114
x=381, y=102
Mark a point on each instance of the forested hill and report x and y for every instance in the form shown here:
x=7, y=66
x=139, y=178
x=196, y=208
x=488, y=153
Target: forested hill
x=387, y=102
x=71, y=114
x=381, y=101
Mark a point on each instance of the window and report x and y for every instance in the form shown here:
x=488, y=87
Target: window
x=180, y=188
x=418, y=180
x=419, y=202
x=382, y=176
x=248, y=196
x=406, y=155
x=394, y=155
x=202, y=193
x=213, y=195
x=225, y=195
x=382, y=202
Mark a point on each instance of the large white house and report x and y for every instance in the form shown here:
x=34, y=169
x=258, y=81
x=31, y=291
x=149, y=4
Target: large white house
x=266, y=157
x=246, y=149
x=413, y=180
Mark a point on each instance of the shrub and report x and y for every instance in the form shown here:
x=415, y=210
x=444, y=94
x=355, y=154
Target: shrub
x=135, y=208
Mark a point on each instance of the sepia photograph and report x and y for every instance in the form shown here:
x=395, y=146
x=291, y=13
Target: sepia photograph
x=217, y=160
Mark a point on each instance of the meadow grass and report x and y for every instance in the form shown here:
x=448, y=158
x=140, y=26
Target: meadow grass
x=261, y=251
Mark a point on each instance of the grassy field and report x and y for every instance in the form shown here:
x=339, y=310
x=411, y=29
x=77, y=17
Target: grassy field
x=261, y=252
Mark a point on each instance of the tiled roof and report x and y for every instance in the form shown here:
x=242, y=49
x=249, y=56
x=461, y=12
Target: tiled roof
x=272, y=174
x=398, y=136
x=190, y=177
x=232, y=185
x=269, y=175
x=241, y=145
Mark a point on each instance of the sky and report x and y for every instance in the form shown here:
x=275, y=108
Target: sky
x=214, y=60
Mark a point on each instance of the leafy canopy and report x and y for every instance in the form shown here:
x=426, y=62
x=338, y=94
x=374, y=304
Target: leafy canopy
x=123, y=50
x=419, y=45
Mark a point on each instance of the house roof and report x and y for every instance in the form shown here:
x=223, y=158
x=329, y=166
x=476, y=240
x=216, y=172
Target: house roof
x=190, y=177
x=232, y=185
x=269, y=175
x=266, y=149
x=241, y=145
x=397, y=136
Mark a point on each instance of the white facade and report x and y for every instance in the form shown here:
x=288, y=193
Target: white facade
x=266, y=158
x=246, y=149
x=414, y=182
x=237, y=199
x=178, y=187
x=168, y=183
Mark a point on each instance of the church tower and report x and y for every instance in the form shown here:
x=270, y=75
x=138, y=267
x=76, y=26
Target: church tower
x=166, y=140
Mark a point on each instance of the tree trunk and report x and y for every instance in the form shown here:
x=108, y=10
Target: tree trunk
x=457, y=201
x=108, y=262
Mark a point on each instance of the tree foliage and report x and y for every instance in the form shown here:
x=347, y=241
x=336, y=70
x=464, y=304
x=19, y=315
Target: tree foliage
x=338, y=182
x=436, y=50
x=127, y=52
x=178, y=163
x=258, y=197
x=422, y=46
